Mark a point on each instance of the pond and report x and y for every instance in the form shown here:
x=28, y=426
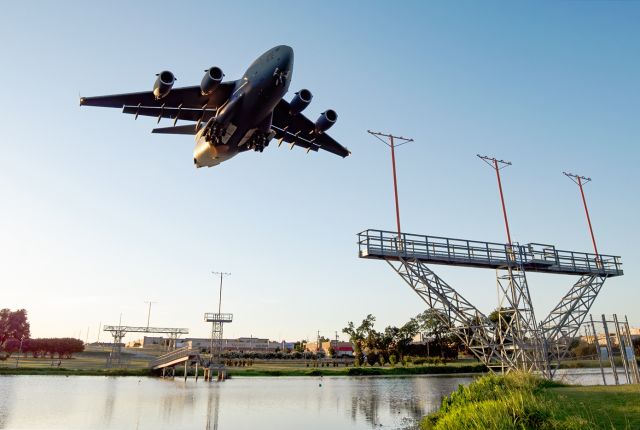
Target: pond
x=84, y=402
x=98, y=402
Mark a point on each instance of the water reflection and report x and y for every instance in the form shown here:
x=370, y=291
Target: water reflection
x=109, y=400
x=213, y=399
x=241, y=403
x=5, y=401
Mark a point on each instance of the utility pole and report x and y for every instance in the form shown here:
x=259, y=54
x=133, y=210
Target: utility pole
x=580, y=181
x=498, y=165
x=218, y=324
x=392, y=144
x=149, y=312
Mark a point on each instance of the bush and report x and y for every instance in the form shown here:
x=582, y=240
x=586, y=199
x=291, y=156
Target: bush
x=427, y=360
x=392, y=360
x=584, y=349
x=497, y=402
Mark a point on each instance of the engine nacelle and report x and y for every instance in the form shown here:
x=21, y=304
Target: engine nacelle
x=326, y=120
x=163, y=84
x=212, y=78
x=300, y=101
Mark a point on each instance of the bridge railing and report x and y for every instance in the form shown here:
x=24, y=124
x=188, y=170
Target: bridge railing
x=174, y=355
x=380, y=243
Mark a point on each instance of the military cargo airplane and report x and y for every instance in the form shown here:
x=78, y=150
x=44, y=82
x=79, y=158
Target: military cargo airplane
x=233, y=116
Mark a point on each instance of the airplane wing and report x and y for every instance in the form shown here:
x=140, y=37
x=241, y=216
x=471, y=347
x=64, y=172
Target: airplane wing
x=300, y=130
x=185, y=103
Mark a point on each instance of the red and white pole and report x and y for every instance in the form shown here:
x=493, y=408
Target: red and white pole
x=395, y=185
x=581, y=180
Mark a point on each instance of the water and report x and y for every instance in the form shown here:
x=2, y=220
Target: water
x=84, y=402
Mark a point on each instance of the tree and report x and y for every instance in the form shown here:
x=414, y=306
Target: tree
x=434, y=324
x=502, y=317
x=13, y=327
x=361, y=337
x=405, y=335
x=331, y=351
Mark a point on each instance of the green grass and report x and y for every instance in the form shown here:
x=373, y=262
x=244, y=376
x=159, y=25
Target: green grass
x=76, y=372
x=353, y=371
x=611, y=407
x=521, y=401
x=93, y=362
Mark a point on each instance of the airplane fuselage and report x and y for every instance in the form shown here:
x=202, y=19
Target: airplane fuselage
x=243, y=122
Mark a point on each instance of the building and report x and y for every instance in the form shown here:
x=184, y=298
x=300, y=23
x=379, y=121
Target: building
x=241, y=344
x=340, y=348
x=151, y=342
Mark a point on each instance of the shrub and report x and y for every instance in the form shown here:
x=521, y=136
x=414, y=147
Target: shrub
x=392, y=360
x=497, y=402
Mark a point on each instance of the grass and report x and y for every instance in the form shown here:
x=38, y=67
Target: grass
x=265, y=370
x=610, y=407
x=93, y=362
x=522, y=401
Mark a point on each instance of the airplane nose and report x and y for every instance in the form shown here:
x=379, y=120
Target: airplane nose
x=286, y=57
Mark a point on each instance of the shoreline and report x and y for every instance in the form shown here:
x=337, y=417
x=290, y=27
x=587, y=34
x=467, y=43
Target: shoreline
x=233, y=372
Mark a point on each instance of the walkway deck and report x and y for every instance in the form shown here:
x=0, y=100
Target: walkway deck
x=174, y=358
x=534, y=257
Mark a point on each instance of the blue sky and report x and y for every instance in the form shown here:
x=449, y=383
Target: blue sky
x=98, y=215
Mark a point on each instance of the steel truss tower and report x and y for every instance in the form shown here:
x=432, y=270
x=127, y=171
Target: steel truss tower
x=516, y=341
x=564, y=321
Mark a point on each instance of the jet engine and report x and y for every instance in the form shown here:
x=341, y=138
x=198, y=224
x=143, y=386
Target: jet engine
x=326, y=120
x=300, y=101
x=163, y=84
x=211, y=80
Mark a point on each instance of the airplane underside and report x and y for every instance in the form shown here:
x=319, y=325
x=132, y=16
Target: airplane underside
x=212, y=148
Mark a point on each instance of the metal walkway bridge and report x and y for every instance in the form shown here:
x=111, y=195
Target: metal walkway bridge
x=173, y=358
x=533, y=257
x=516, y=340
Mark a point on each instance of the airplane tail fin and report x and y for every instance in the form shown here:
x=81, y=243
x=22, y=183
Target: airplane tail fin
x=191, y=129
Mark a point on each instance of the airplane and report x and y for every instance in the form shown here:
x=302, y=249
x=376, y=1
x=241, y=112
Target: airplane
x=233, y=116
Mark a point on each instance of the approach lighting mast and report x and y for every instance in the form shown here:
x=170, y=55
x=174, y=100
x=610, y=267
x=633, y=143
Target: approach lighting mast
x=392, y=144
x=149, y=302
x=217, y=320
x=580, y=181
x=498, y=165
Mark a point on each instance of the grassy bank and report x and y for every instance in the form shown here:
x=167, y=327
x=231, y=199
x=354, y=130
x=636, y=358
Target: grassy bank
x=521, y=401
x=136, y=363
x=84, y=365
x=359, y=371
x=76, y=372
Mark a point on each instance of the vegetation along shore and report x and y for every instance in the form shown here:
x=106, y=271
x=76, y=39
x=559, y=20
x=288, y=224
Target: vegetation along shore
x=523, y=401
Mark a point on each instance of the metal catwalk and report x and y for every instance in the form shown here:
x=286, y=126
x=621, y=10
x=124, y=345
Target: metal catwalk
x=516, y=341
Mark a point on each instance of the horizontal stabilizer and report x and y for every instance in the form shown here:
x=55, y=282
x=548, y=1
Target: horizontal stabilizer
x=180, y=129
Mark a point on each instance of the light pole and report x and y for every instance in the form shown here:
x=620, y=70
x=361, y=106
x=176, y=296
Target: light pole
x=393, y=145
x=580, y=181
x=149, y=312
x=19, y=352
x=213, y=324
x=498, y=165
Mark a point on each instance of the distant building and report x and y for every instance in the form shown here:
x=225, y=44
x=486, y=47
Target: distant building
x=634, y=333
x=149, y=342
x=340, y=348
x=241, y=344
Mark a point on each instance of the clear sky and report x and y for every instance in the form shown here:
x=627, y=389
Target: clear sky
x=97, y=215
